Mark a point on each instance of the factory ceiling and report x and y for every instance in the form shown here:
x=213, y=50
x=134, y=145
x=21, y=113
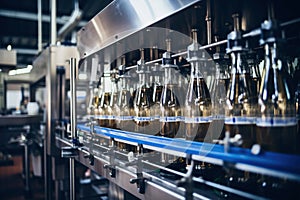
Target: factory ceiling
x=19, y=24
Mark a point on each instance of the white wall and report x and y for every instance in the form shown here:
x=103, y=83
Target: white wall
x=13, y=99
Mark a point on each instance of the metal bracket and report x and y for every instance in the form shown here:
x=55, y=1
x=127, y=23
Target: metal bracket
x=112, y=169
x=138, y=161
x=228, y=141
x=187, y=181
x=140, y=182
x=91, y=158
x=69, y=152
x=111, y=153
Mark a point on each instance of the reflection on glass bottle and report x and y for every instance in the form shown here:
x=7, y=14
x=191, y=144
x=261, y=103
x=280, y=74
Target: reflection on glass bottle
x=169, y=104
x=125, y=117
x=276, y=124
x=96, y=101
x=93, y=102
x=296, y=76
x=298, y=107
x=197, y=110
x=218, y=94
x=296, y=82
x=253, y=63
x=105, y=117
x=157, y=91
x=113, y=106
x=241, y=103
x=142, y=100
x=157, y=86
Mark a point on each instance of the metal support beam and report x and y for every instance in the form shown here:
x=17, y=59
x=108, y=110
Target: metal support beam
x=72, y=23
x=34, y=17
x=39, y=4
x=27, y=51
x=53, y=26
x=73, y=72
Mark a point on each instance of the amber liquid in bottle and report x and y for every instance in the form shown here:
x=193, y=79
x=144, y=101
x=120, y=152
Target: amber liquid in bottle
x=277, y=124
x=241, y=103
x=171, y=111
x=126, y=112
x=197, y=111
x=94, y=102
x=142, y=109
x=157, y=92
x=105, y=112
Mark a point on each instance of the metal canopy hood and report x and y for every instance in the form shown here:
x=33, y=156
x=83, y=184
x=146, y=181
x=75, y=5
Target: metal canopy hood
x=122, y=18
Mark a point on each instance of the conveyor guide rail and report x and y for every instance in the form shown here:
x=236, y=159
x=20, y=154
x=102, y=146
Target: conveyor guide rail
x=275, y=164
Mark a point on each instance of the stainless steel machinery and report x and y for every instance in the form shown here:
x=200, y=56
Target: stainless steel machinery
x=52, y=68
x=184, y=146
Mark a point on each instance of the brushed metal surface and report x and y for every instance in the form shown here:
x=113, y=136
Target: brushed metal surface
x=45, y=65
x=122, y=18
x=153, y=190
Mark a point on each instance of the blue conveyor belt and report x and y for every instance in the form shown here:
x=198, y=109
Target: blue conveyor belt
x=283, y=163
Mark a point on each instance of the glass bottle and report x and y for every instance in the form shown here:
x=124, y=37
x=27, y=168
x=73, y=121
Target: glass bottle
x=125, y=118
x=93, y=102
x=142, y=100
x=157, y=86
x=218, y=95
x=113, y=106
x=296, y=76
x=169, y=104
x=105, y=117
x=297, y=93
x=253, y=63
x=296, y=82
x=98, y=110
x=241, y=102
x=276, y=124
x=198, y=102
x=182, y=85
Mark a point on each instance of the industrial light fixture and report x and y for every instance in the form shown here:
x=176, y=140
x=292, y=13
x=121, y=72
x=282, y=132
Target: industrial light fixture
x=20, y=71
x=9, y=47
x=82, y=76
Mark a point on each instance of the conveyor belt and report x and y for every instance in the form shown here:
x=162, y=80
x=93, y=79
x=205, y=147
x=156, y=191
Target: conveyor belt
x=277, y=164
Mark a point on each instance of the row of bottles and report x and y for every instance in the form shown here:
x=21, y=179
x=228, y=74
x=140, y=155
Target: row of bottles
x=262, y=109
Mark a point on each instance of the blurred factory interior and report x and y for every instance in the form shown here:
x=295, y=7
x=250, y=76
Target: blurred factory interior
x=148, y=99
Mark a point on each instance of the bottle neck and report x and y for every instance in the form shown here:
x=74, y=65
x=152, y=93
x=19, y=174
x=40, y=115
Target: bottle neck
x=271, y=56
x=124, y=84
x=158, y=79
x=169, y=78
x=143, y=79
x=195, y=70
x=114, y=91
x=239, y=66
x=221, y=72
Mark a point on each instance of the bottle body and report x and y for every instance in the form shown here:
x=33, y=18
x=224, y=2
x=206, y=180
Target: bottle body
x=197, y=111
x=276, y=124
x=155, y=109
x=241, y=102
x=106, y=117
x=125, y=118
x=142, y=112
x=218, y=96
x=170, y=111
